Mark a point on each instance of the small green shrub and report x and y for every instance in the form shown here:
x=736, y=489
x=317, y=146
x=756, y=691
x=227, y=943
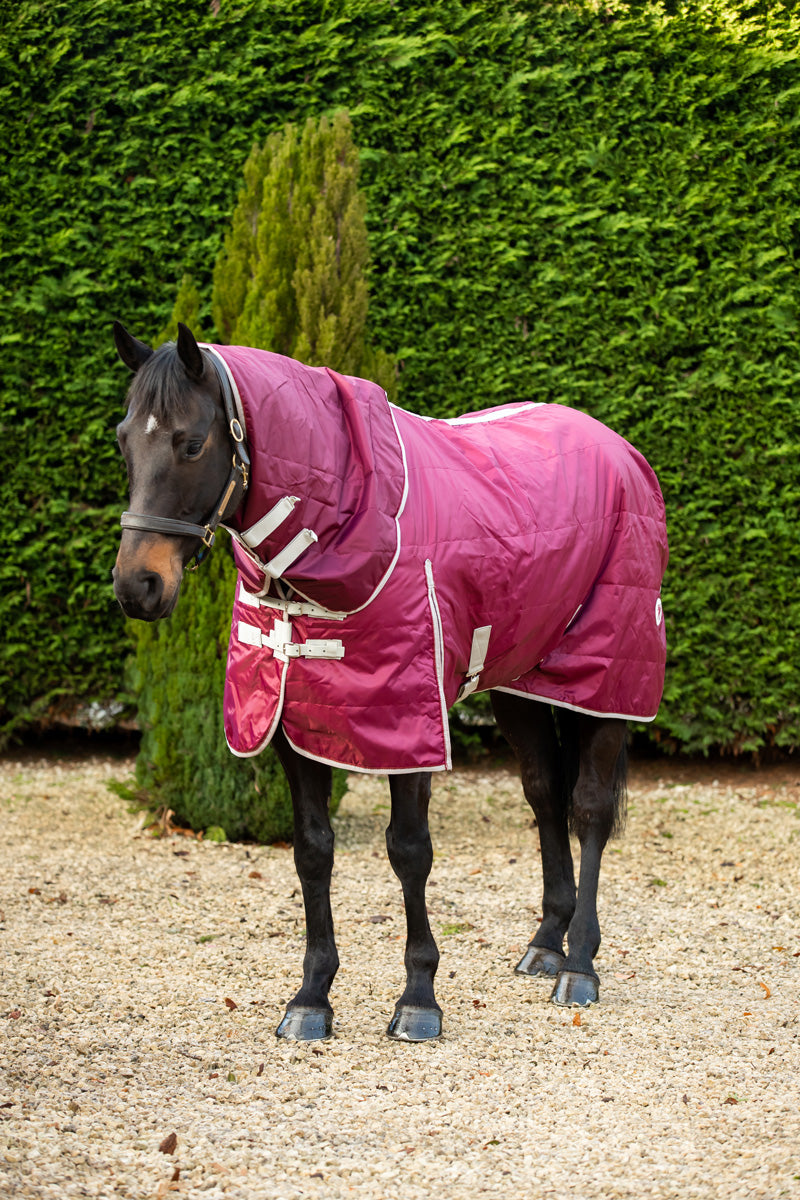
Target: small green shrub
x=184, y=762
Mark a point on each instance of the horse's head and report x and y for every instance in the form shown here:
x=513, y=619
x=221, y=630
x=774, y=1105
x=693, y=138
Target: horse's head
x=179, y=443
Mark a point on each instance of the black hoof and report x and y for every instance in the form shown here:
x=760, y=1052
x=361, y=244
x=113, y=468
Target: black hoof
x=306, y=1024
x=538, y=960
x=572, y=987
x=410, y=1024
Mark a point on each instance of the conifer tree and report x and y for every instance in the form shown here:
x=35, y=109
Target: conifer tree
x=187, y=308
x=292, y=274
x=291, y=277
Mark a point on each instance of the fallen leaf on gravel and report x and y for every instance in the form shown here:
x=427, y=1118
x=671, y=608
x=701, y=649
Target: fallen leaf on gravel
x=34, y=891
x=576, y=1020
x=260, y=1070
x=731, y=1100
x=14, y=1014
x=767, y=992
x=255, y=875
x=231, y=1004
x=169, y=1144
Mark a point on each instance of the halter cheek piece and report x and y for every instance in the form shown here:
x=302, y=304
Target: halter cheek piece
x=239, y=474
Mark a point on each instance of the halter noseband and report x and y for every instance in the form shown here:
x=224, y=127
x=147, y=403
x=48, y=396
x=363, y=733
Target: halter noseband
x=239, y=474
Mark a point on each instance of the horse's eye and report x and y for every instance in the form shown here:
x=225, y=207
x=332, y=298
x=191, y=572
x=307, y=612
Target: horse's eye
x=193, y=449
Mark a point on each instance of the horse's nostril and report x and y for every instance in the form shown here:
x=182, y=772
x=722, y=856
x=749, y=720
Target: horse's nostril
x=141, y=593
x=152, y=586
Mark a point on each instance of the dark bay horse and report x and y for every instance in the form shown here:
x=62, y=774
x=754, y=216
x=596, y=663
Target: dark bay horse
x=188, y=468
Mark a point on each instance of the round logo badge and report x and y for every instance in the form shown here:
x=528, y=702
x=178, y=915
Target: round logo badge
x=659, y=611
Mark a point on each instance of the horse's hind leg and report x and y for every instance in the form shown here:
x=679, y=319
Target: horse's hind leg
x=309, y=1015
x=417, y=1016
x=597, y=811
x=529, y=728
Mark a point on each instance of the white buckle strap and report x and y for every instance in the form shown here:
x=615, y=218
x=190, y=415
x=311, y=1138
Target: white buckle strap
x=259, y=532
x=292, y=608
x=477, y=660
x=279, y=641
x=278, y=565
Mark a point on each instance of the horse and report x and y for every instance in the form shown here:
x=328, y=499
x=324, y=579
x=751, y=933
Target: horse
x=572, y=648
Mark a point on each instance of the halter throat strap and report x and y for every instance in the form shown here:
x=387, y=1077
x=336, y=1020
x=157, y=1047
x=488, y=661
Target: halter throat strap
x=240, y=473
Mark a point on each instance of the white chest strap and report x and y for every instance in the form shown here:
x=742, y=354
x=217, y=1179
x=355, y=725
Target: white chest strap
x=279, y=641
x=267, y=525
x=259, y=532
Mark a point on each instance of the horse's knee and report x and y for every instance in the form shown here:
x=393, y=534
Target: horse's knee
x=313, y=850
x=410, y=854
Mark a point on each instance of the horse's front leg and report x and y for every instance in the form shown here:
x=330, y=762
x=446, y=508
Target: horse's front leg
x=597, y=810
x=417, y=1016
x=309, y=1015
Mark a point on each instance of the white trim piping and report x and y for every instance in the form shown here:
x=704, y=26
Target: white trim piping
x=438, y=642
x=476, y=418
x=239, y=406
x=270, y=734
x=332, y=762
x=589, y=712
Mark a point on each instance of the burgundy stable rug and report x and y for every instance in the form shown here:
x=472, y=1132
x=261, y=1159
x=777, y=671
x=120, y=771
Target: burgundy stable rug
x=389, y=564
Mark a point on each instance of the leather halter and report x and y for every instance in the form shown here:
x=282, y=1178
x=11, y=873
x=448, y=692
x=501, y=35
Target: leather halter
x=239, y=474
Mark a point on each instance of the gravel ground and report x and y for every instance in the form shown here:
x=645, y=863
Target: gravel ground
x=143, y=979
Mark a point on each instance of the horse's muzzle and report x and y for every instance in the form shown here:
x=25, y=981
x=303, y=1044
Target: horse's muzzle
x=147, y=580
x=142, y=595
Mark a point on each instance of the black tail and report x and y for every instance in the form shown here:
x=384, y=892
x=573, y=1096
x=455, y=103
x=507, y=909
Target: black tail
x=568, y=730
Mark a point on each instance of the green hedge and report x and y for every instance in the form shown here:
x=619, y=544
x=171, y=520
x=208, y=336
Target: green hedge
x=595, y=206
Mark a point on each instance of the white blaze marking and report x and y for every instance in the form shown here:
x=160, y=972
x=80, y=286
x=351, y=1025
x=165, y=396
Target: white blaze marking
x=152, y=424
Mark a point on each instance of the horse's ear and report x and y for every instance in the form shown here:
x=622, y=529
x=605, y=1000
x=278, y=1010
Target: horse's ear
x=189, y=353
x=132, y=352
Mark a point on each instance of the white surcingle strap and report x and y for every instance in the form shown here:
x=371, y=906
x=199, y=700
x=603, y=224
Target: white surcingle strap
x=477, y=660
x=259, y=532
